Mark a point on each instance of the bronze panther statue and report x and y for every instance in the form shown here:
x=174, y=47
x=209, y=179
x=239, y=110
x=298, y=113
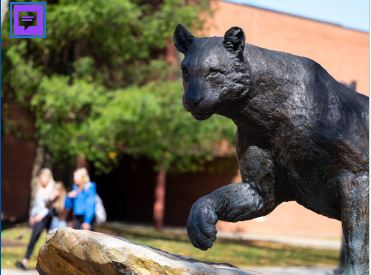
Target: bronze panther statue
x=301, y=136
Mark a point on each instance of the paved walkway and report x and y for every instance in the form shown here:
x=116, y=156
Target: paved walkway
x=295, y=241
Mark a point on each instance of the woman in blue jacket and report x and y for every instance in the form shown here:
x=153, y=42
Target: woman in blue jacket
x=82, y=200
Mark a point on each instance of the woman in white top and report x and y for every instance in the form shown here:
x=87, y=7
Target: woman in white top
x=40, y=215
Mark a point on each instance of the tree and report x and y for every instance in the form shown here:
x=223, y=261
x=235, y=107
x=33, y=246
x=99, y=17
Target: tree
x=4, y=9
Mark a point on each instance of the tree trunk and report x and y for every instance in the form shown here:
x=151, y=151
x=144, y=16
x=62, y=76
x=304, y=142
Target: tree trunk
x=37, y=165
x=4, y=9
x=82, y=162
x=159, y=201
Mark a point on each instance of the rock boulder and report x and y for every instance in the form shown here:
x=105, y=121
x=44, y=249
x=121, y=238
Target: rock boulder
x=68, y=251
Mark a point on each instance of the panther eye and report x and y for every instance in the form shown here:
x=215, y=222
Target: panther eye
x=213, y=72
x=184, y=71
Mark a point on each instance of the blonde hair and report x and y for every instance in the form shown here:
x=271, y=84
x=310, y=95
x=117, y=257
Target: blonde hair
x=46, y=171
x=59, y=203
x=84, y=174
x=49, y=188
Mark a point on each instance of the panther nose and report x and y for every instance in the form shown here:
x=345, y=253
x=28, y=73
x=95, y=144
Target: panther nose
x=192, y=100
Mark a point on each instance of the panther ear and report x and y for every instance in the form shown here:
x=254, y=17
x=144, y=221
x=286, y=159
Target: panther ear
x=234, y=40
x=182, y=39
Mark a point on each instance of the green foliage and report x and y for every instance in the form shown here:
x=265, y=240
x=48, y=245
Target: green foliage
x=157, y=126
x=21, y=76
x=98, y=85
x=114, y=34
x=61, y=109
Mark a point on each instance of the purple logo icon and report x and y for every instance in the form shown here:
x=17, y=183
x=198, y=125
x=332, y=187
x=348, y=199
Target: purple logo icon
x=27, y=19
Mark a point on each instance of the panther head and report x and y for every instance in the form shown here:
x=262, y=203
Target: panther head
x=215, y=74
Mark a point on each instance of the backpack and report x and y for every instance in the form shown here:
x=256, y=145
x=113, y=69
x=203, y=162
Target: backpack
x=100, y=212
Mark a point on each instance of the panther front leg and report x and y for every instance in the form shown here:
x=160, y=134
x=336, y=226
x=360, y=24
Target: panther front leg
x=234, y=202
x=252, y=198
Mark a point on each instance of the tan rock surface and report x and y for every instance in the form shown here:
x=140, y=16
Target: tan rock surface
x=69, y=251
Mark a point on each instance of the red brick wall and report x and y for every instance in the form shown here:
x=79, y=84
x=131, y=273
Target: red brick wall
x=17, y=159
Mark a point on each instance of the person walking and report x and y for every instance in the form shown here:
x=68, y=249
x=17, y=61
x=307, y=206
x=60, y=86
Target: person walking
x=40, y=214
x=82, y=200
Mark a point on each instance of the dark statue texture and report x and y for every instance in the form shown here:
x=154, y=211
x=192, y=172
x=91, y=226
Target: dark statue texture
x=301, y=136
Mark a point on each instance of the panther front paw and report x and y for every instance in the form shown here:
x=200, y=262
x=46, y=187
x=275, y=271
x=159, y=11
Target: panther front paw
x=201, y=224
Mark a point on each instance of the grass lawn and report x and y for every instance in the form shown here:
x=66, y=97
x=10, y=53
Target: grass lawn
x=13, y=245
x=239, y=253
